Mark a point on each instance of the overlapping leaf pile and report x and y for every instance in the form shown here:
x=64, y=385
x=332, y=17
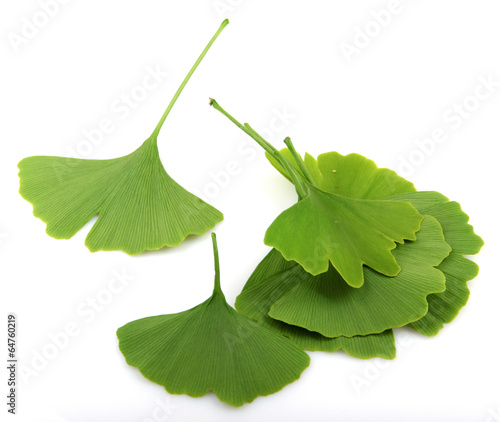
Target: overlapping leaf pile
x=360, y=253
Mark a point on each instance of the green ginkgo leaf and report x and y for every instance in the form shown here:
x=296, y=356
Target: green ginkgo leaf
x=140, y=207
x=326, y=304
x=324, y=228
x=265, y=285
x=445, y=306
x=357, y=177
x=260, y=293
x=272, y=263
x=211, y=347
x=350, y=175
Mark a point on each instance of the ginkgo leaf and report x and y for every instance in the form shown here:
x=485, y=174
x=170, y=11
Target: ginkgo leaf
x=140, y=207
x=272, y=263
x=348, y=233
x=383, y=181
x=358, y=177
x=350, y=175
x=324, y=228
x=211, y=347
x=445, y=306
x=259, y=295
x=326, y=304
x=381, y=345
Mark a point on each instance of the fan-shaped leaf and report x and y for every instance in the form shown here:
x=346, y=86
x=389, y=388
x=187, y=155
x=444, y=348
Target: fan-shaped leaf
x=355, y=176
x=212, y=348
x=349, y=175
x=260, y=293
x=140, y=206
x=323, y=228
x=326, y=304
x=445, y=306
x=272, y=264
x=339, y=172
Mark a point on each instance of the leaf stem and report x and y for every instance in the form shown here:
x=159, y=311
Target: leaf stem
x=299, y=161
x=297, y=178
x=245, y=128
x=217, y=288
x=186, y=79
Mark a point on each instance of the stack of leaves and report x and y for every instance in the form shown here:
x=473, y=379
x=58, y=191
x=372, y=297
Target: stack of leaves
x=360, y=253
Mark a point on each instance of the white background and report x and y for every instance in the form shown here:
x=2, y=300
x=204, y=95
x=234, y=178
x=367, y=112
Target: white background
x=275, y=55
